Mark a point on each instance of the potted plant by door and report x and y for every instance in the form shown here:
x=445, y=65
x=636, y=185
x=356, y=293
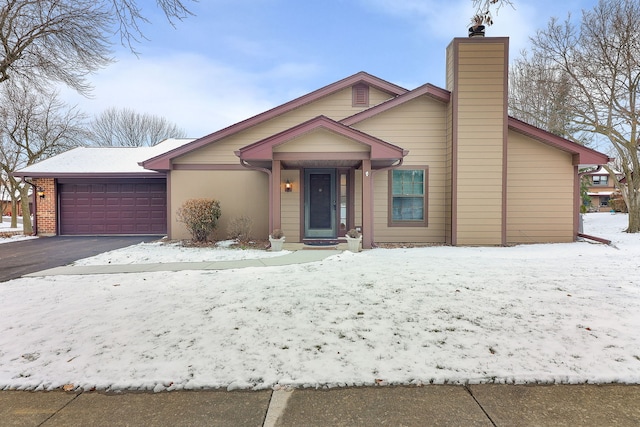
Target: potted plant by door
x=354, y=238
x=276, y=238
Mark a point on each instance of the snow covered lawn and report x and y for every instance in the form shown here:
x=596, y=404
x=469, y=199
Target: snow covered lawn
x=539, y=313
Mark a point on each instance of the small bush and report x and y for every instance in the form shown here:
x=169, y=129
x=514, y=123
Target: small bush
x=240, y=229
x=617, y=203
x=353, y=233
x=200, y=217
x=277, y=234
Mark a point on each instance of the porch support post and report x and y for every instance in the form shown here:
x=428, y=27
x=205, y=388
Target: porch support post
x=276, y=195
x=367, y=205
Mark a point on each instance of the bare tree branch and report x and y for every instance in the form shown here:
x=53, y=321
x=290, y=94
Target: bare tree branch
x=65, y=40
x=484, y=15
x=128, y=128
x=601, y=60
x=34, y=125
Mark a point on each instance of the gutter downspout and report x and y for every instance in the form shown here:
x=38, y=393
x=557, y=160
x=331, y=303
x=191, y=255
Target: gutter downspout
x=269, y=174
x=374, y=173
x=34, y=194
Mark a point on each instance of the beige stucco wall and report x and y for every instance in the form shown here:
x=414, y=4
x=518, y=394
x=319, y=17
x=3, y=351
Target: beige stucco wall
x=540, y=192
x=419, y=126
x=241, y=192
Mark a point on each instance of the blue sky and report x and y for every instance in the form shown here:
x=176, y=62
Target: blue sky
x=236, y=58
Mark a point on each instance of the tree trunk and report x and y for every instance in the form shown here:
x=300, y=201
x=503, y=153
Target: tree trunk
x=633, y=204
x=14, y=213
x=27, y=228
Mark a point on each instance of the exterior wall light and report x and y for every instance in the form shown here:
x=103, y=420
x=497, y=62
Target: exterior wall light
x=40, y=192
x=287, y=187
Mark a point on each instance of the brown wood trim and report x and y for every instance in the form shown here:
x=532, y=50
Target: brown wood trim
x=338, y=155
x=163, y=161
x=367, y=205
x=302, y=192
x=263, y=149
x=207, y=167
x=582, y=154
x=276, y=194
x=88, y=175
x=454, y=141
x=425, y=221
x=594, y=238
x=428, y=89
x=169, y=210
x=505, y=142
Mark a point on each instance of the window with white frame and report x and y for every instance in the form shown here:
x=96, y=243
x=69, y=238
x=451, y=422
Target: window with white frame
x=600, y=180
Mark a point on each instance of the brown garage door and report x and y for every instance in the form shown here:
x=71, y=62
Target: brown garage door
x=113, y=207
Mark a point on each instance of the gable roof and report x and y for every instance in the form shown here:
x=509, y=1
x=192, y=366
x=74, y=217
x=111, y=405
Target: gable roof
x=263, y=150
x=435, y=92
x=100, y=161
x=163, y=161
x=582, y=155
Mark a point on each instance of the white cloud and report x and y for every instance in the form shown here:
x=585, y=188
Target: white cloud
x=190, y=90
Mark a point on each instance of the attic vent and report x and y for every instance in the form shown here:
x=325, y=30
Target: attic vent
x=360, y=95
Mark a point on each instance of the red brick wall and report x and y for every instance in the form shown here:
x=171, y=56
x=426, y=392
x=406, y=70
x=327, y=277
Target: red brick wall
x=46, y=215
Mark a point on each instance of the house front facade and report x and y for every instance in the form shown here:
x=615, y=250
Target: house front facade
x=601, y=185
x=424, y=166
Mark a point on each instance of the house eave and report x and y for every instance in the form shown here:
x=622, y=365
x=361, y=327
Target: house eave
x=580, y=153
x=163, y=162
x=91, y=175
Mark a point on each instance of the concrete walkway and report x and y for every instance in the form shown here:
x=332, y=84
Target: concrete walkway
x=434, y=405
x=295, y=257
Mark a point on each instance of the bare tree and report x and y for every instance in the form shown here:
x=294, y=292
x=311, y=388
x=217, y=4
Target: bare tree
x=127, y=128
x=34, y=125
x=65, y=40
x=601, y=61
x=483, y=15
x=538, y=94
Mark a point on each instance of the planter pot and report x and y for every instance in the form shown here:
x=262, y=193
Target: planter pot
x=276, y=244
x=353, y=243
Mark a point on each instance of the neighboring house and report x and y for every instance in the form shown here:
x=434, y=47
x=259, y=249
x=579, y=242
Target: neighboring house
x=427, y=166
x=5, y=203
x=601, y=185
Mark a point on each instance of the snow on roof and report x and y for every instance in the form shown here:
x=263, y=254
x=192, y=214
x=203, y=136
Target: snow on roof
x=84, y=160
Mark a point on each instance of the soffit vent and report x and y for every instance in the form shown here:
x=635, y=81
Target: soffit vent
x=360, y=95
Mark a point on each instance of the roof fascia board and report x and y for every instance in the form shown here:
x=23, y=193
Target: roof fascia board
x=582, y=154
x=263, y=150
x=91, y=175
x=163, y=161
x=428, y=89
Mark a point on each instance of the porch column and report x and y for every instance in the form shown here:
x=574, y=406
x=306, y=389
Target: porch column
x=276, y=195
x=367, y=205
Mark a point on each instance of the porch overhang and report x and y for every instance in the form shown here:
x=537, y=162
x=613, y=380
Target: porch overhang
x=380, y=153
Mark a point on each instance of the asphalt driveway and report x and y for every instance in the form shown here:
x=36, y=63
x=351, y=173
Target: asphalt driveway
x=28, y=256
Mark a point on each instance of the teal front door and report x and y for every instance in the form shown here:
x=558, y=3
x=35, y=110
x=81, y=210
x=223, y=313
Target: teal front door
x=320, y=203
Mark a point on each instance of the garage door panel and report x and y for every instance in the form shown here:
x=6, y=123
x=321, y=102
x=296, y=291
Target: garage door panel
x=113, y=207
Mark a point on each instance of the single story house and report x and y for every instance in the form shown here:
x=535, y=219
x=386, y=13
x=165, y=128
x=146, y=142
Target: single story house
x=428, y=165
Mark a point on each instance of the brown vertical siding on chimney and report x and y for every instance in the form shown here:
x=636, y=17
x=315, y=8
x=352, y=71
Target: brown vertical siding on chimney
x=478, y=79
